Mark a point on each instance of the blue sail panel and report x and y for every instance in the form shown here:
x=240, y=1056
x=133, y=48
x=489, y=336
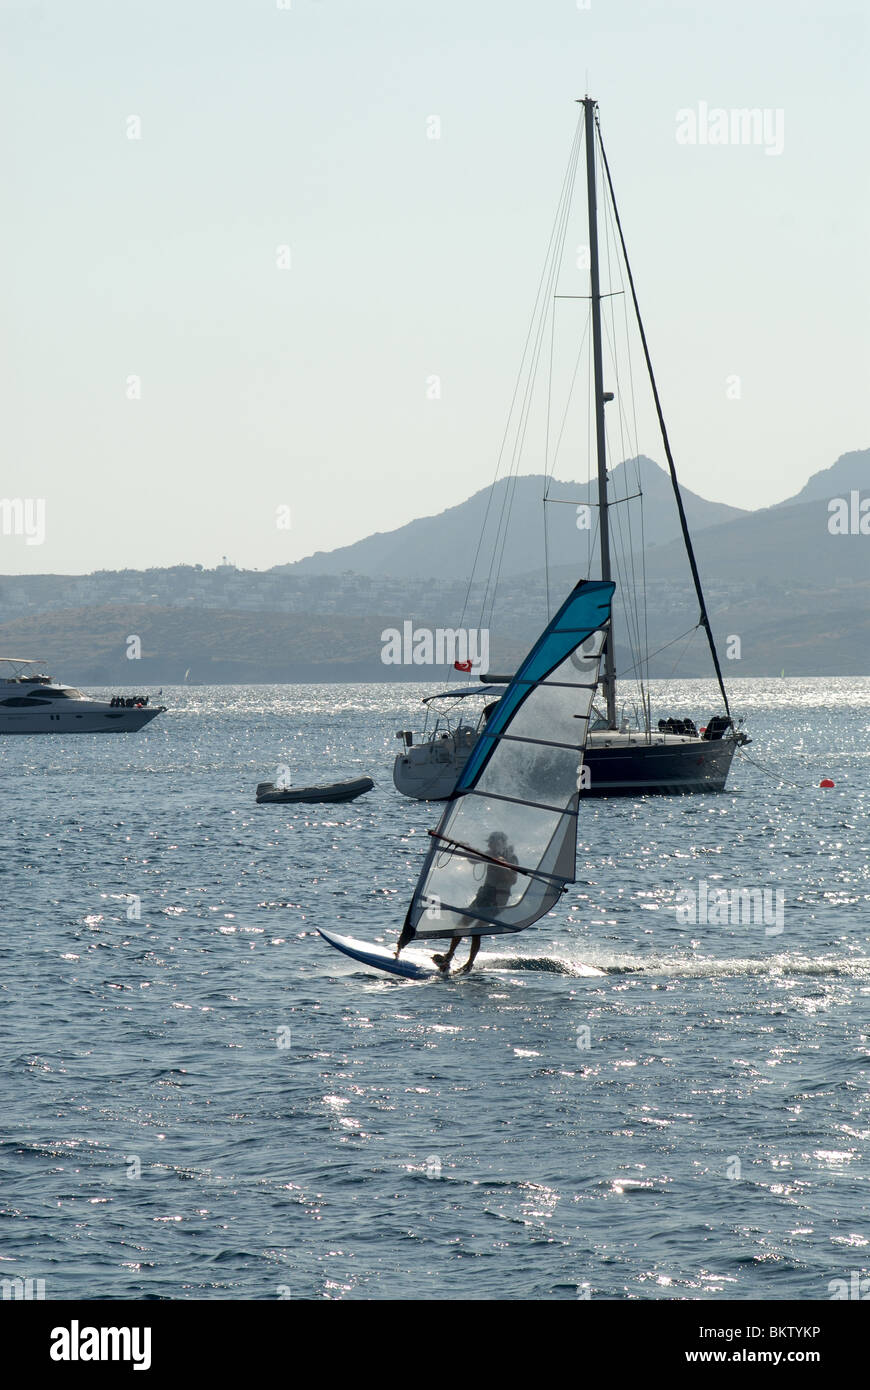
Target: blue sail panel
x=584, y=611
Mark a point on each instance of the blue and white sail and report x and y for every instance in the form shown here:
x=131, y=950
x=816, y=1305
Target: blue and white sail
x=507, y=842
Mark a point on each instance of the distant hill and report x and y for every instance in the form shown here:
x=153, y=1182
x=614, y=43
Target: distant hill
x=850, y=471
x=778, y=544
x=797, y=596
x=447, y=542
x=87, y=646
x=805, y=632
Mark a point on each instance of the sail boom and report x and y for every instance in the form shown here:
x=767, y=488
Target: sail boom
x=520, y=801
x=457, y=847
x=564, y=685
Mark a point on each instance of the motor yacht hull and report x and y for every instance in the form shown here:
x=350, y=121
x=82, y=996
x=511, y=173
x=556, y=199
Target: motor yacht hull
x=85, y=717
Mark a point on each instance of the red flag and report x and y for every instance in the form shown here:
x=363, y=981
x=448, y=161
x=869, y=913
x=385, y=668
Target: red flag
x=462, y=665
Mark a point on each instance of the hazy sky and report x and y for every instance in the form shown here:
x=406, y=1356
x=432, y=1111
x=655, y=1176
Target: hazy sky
x=304, y=125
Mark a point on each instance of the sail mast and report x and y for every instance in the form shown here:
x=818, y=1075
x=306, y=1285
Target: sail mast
x=608, y=680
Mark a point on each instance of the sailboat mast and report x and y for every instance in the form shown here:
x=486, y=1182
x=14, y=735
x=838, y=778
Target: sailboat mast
x=608, y=680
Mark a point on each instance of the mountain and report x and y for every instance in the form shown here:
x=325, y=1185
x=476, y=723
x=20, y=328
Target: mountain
x=782, y=545
x=850, y=472
x=447, y=543
x=796, y=595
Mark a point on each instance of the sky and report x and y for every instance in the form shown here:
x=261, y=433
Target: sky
x=233, y=257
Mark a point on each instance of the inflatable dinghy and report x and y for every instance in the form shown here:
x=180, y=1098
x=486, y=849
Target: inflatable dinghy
x=331, y=791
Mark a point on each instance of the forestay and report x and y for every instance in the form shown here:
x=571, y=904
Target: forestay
x=507, y=842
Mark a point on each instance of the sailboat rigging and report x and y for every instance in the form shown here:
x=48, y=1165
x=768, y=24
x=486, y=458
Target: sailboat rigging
x=621, y=761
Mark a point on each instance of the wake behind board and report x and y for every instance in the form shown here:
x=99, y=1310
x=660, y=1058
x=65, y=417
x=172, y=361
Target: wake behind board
x=379, y=958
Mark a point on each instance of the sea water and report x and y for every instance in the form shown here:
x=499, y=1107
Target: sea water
x=202, y=1100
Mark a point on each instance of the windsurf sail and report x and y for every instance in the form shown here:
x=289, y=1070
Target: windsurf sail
x=506, y=845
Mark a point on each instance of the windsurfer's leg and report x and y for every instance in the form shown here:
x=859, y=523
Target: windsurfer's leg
x=472, y=954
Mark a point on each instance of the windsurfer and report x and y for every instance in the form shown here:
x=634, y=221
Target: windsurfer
x=492, y=894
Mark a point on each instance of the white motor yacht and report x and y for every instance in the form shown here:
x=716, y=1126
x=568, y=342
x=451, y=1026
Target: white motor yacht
x=32, y=703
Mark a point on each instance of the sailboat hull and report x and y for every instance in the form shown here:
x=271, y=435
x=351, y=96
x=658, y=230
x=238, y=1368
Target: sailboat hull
x=628, y=765
x=618, y=764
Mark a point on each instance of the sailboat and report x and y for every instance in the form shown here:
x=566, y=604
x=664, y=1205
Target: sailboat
x=506, y=846
x=674, y=757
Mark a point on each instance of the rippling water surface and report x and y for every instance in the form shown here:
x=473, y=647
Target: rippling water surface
x=303, y=1128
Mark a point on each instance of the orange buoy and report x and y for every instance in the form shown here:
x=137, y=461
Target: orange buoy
x=826, y=782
